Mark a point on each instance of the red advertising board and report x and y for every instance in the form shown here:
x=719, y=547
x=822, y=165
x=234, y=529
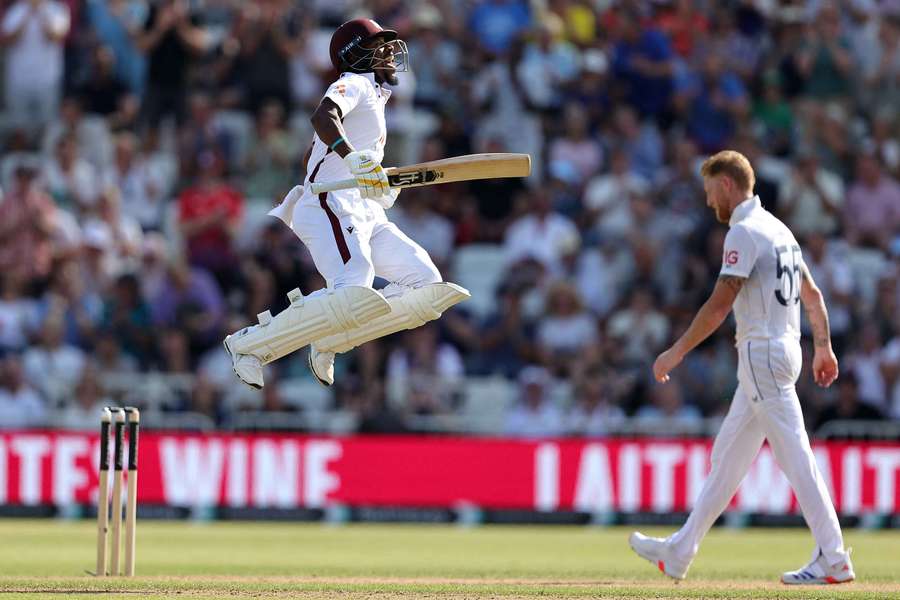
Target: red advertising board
x=290, y=471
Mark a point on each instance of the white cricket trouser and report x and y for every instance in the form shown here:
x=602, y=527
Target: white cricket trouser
x=765, y=407
x=352, y=248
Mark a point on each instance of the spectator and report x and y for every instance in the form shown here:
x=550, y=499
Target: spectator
x=190, y=301
x=829, y=265
x=203, y=133
x=642, y=65
x=437, y=60
x=641, y=141
x=496, y=23
x=639, y=329
x=171, y=36
x=810, y=198
x=566, y=331
x=53, y=367
x=595, y=413
x=604, y=196
x=872, y=212
x=271, y=157
x=507, y=335
x=541, y=234
x=33, y=32
x=18, y=313
x=865, y=364
x=824, y=60
x=576, y=148
x=847, y=405
x=430, y=230
x=20, y=404
x=535, y=415
x=550, y=64
x=27, y=223
x=667, y=411
x=127, y=317
x=106, y=94
x=89, y=399
x=209, y=213
x=70, y=179
x=141, y=180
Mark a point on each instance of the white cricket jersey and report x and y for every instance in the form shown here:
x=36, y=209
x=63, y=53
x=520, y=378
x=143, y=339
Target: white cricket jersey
x=761, y=249
x=361, y=101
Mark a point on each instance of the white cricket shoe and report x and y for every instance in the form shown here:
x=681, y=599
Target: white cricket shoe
x=322, y=365
x=658, y=552
x=818, y=571
x=247, y=367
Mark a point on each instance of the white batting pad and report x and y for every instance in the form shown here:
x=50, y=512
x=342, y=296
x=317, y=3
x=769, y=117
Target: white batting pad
x=322, y=313
x=413, y=308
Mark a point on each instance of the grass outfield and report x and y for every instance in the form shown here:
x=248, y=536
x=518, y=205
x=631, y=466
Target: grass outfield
x=47, y=559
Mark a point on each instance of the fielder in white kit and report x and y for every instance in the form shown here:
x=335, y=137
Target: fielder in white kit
x=347, y=233
x=764, y=279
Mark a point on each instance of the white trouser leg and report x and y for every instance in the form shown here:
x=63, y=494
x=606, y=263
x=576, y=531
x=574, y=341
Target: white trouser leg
x=736, y=445
x=416, y=295
x=340, y=246
x=782, y=420
x=401, y=260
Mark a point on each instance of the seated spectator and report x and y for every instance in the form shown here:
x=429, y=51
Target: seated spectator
x=535, y=415
x=80, y=414
x=20, y=404
x=437, y=59
x=667, y=411
x=27, y=217
x=810, y=198
x=203, y=135
x=97, y=256
x=71, y=180
x=507, y=335
x=641, y=141
x=128, y=318
x=595, y=413
x=430, y=230
x=271, y=157
x=91, y=133
x=190, y=301
x=872, y=212
x=541, y=234
x=847, y=406
x=603, y=273
x=604, y=197
x=141, y=181
x=209, y=213
x=424, y=366
x=864, y=362
x=53, y=366
x=109, y=358
x=890, y=369
x=33, y=32
x=566, y=331
x=18, y=313
x=69, y=298
x=639, y=328
x=576, y=148
x=828, y=264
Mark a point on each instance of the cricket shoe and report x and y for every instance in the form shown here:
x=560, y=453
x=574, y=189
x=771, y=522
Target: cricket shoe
x=658, y=552
x=248, y=368
x=322, y=365
x=818, y=571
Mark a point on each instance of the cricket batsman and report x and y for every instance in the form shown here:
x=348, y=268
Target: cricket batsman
x=764, y=280
x=347, y=232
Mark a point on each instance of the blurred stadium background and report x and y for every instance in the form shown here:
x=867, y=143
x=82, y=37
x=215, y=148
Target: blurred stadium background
x=144, y=142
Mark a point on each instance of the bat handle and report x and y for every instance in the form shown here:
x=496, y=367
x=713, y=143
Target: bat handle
x=330, y=186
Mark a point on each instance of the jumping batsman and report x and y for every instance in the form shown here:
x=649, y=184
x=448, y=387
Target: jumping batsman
x=764, y=279
x=347, y=232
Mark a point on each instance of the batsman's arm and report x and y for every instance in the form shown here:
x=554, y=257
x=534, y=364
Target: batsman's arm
x=825, y=364
x=706, y=321
x=326, y=121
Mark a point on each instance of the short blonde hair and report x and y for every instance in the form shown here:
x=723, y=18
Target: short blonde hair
x=732, y=164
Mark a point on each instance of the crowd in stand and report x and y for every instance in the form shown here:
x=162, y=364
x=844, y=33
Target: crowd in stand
x=143, y=142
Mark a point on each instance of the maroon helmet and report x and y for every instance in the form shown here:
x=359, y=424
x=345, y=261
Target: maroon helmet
x=348, y=55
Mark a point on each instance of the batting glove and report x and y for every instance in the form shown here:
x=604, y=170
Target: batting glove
x=371, y=179
x=388, y=199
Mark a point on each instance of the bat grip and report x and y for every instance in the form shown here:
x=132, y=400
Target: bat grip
x=330, y=186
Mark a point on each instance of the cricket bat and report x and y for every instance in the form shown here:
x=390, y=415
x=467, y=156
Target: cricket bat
x=447, y=170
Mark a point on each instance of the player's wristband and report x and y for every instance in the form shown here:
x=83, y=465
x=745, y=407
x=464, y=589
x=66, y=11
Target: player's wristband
x=336, y=143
